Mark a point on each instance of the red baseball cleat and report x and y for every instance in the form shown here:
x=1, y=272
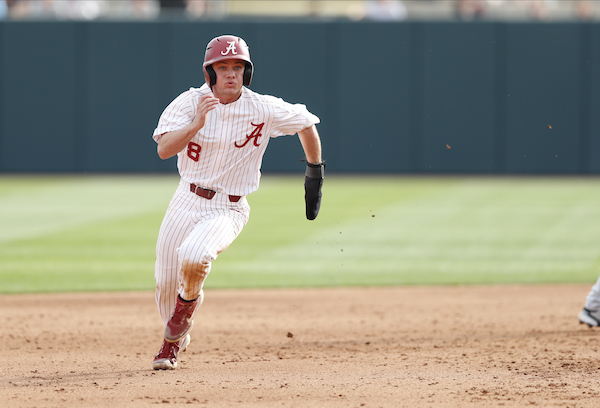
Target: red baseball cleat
x=166, y=359
x=181, y=321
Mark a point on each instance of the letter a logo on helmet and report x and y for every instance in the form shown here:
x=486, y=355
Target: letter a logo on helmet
x=230, y=48
x=226, y=47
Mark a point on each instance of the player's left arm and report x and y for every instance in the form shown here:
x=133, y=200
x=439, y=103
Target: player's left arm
x=315, y=170
x=311, y=143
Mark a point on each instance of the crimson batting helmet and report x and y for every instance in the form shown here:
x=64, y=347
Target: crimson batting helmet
x=222, y=48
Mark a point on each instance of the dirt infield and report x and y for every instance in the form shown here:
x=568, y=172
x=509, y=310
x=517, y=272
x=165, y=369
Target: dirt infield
x=466, y=346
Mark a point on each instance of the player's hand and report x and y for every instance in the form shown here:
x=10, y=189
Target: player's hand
x=313, y=181
x=205, y=105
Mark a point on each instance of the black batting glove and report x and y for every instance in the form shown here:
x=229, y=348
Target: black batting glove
x=313, y=181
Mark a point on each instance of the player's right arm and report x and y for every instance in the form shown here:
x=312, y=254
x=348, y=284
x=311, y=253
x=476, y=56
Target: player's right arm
x=171, y=143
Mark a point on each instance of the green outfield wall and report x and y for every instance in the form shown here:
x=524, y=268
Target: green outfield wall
x=410, y=97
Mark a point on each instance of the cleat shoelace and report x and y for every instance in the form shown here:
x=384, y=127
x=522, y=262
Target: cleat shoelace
x=168, y=351
x=182, y=311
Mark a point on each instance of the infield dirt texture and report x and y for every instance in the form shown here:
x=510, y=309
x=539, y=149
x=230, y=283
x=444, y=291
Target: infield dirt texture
x=451, y=346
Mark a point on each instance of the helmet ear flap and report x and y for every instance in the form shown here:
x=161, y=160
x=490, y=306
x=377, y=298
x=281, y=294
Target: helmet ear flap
x=247, y=74
x=212, y=76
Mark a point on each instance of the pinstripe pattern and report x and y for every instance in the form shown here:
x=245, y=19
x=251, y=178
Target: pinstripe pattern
x=193, y=232
x=233, y=141
x=222, y=166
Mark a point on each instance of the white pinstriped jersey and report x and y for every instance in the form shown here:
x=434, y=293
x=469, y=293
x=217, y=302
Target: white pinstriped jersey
x=226, y=154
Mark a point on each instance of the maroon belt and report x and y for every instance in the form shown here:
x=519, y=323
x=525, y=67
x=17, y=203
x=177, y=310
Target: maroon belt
x=209, y=194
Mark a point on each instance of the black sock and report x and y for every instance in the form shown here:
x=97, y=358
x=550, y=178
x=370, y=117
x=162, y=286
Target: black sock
x=186, y=301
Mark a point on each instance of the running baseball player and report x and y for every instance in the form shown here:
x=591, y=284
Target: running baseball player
x=219, y=133
x=590, y=314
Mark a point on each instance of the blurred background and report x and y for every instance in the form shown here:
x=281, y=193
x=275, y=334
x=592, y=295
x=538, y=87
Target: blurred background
x=427, y=86
x=378, y=10
x=414, y=98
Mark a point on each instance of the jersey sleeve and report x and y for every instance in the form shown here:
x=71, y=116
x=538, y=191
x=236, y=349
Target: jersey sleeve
x=177, y=114
x=291, y=118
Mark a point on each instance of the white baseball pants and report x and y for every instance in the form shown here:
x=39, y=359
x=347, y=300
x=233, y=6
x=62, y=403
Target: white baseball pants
x=192, y=234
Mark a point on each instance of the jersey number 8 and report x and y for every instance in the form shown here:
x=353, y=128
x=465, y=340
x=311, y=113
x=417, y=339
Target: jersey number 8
x=193, y=151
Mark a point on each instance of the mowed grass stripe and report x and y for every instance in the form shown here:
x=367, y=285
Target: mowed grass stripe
x=371, y=231
x=470, y=230
x=32, y=206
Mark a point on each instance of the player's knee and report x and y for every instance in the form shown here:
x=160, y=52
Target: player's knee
x=195, y=262
x=194, y=269
x=191, y=251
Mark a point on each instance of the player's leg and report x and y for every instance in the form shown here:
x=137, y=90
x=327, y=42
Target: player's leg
x=590, y=315
x=220, y=225
x=206, y=241
x=177, y=224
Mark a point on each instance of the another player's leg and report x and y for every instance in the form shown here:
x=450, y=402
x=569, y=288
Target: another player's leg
x=590, y=314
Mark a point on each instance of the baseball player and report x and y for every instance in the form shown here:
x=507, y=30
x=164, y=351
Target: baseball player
x=590, y=314
x=219, y=133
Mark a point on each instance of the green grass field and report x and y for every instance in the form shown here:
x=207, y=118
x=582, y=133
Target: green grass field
x=89, y=233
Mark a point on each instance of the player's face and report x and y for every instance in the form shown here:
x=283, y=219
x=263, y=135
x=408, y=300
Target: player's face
x=230, y=79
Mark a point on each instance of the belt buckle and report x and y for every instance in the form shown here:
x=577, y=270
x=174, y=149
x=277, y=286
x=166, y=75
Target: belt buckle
x=202, y=192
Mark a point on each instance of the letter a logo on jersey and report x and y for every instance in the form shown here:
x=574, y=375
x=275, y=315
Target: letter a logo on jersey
x=231, y=48
x=254, y=135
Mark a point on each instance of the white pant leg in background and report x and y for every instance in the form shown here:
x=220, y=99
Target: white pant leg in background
x=193, y=232
x=592, y=302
